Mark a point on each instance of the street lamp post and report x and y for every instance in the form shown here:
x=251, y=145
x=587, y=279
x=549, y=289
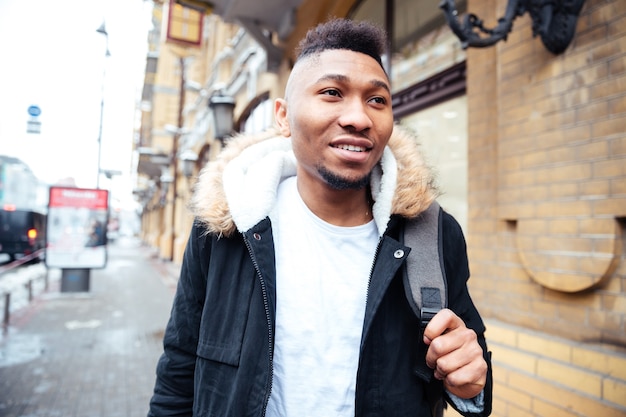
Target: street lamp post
x=102, y=30
x=179, y=129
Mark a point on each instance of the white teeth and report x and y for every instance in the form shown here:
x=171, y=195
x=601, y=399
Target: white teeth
x=351, y=148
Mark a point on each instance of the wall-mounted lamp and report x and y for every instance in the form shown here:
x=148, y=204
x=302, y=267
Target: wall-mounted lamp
x=554, y=21
x=223, y=107
x=165, y=181
x=110, y=173
x=143, y=197
x=188, y=159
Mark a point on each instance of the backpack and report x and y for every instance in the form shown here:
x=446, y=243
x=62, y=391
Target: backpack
x=425, y=278
x=426, y=287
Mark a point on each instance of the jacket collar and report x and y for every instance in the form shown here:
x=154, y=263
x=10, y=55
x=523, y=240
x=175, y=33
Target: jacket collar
x=238, y=189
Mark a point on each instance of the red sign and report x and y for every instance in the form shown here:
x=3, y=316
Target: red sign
x=76, y=228
x=93, y=199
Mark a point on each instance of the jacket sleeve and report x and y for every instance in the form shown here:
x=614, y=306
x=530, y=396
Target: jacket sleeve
x=460, y=301
x=174, y=387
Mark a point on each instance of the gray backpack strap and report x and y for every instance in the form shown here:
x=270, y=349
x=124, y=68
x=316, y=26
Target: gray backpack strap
x=425, y=278
x=425, y=287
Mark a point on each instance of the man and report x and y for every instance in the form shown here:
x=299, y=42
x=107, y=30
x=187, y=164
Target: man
x=291, y=300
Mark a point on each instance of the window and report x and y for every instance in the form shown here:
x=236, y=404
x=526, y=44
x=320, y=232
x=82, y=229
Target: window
x=422, y=44
x=442, y=133
x=258, y=116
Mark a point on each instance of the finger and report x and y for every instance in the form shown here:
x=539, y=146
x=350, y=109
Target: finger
x=456, y=353
x=472, y=372
x=467, y=381
x=442, y=322
x=452, y=349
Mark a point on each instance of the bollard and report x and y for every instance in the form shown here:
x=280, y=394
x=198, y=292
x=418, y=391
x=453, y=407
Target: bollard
x=29, y=285
x=7, y=312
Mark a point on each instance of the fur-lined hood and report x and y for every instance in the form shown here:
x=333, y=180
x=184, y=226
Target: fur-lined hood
x=238, y=189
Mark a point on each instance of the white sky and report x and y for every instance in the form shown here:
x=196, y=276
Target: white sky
x=53, y=57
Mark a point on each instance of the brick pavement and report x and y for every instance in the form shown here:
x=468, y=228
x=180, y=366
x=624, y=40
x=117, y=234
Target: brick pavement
x=90, y=354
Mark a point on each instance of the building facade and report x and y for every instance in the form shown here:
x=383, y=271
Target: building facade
x=529, y=145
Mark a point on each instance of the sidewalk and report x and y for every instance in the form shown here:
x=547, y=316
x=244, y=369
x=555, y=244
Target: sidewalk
x=90, y=354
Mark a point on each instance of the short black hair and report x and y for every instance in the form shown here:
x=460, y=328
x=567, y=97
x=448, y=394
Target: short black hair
x=337, y=33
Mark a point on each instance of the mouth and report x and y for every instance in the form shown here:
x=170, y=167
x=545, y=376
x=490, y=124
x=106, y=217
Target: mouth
x=351, y=148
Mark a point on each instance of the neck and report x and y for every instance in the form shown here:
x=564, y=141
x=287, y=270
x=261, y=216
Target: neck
x=339, y=207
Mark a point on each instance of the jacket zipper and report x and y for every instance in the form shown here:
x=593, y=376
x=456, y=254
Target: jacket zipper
x=269, y=322
x=369, y=281
x=269, y=325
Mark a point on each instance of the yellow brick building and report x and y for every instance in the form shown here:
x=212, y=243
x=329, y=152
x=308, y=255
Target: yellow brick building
x=531, y=152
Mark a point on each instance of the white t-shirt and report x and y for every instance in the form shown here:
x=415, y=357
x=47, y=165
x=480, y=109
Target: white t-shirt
x=322, y=275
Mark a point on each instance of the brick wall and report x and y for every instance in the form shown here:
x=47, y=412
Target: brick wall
x=541, y=375
x=547, y=203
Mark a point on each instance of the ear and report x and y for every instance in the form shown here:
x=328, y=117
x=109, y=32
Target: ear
x=280, y=114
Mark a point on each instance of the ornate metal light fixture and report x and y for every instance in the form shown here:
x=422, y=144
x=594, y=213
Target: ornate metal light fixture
x=188, y=158
x=553, y=20
x=165, y=180
x=223, y=107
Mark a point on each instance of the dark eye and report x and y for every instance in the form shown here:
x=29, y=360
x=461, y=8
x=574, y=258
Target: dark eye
x=379, y=100
x=332, y=92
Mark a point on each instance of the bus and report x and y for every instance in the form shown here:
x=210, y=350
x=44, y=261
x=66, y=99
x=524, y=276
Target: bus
x=22, y=232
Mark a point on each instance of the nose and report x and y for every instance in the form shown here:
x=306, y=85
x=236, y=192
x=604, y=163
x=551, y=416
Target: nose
x=355, y=116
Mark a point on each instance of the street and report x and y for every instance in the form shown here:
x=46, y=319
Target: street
x=88, y=354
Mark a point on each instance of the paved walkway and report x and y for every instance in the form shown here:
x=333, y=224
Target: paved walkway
x=90, y=354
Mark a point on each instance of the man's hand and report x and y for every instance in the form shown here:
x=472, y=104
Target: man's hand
x=455, y=355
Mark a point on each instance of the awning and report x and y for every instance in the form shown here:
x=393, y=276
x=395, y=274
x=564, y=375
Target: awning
x=151, y=162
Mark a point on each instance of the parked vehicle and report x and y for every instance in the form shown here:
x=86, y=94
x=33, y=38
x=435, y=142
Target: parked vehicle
x=22, y=232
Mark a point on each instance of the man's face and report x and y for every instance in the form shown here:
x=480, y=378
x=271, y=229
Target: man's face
x=337, y=111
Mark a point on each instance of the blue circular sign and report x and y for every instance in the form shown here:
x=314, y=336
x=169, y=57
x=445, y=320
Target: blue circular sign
x=34, y=111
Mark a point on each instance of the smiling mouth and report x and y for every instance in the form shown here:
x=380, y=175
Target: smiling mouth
x=351, y=148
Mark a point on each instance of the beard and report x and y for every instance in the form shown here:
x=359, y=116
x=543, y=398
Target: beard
x=342, y=183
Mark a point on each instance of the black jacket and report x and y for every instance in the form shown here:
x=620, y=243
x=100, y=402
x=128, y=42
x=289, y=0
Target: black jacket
x=218, y=343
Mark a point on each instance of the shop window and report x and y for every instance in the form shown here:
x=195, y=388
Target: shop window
x=422, y=44
x=258, y=116
x=442, y=133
